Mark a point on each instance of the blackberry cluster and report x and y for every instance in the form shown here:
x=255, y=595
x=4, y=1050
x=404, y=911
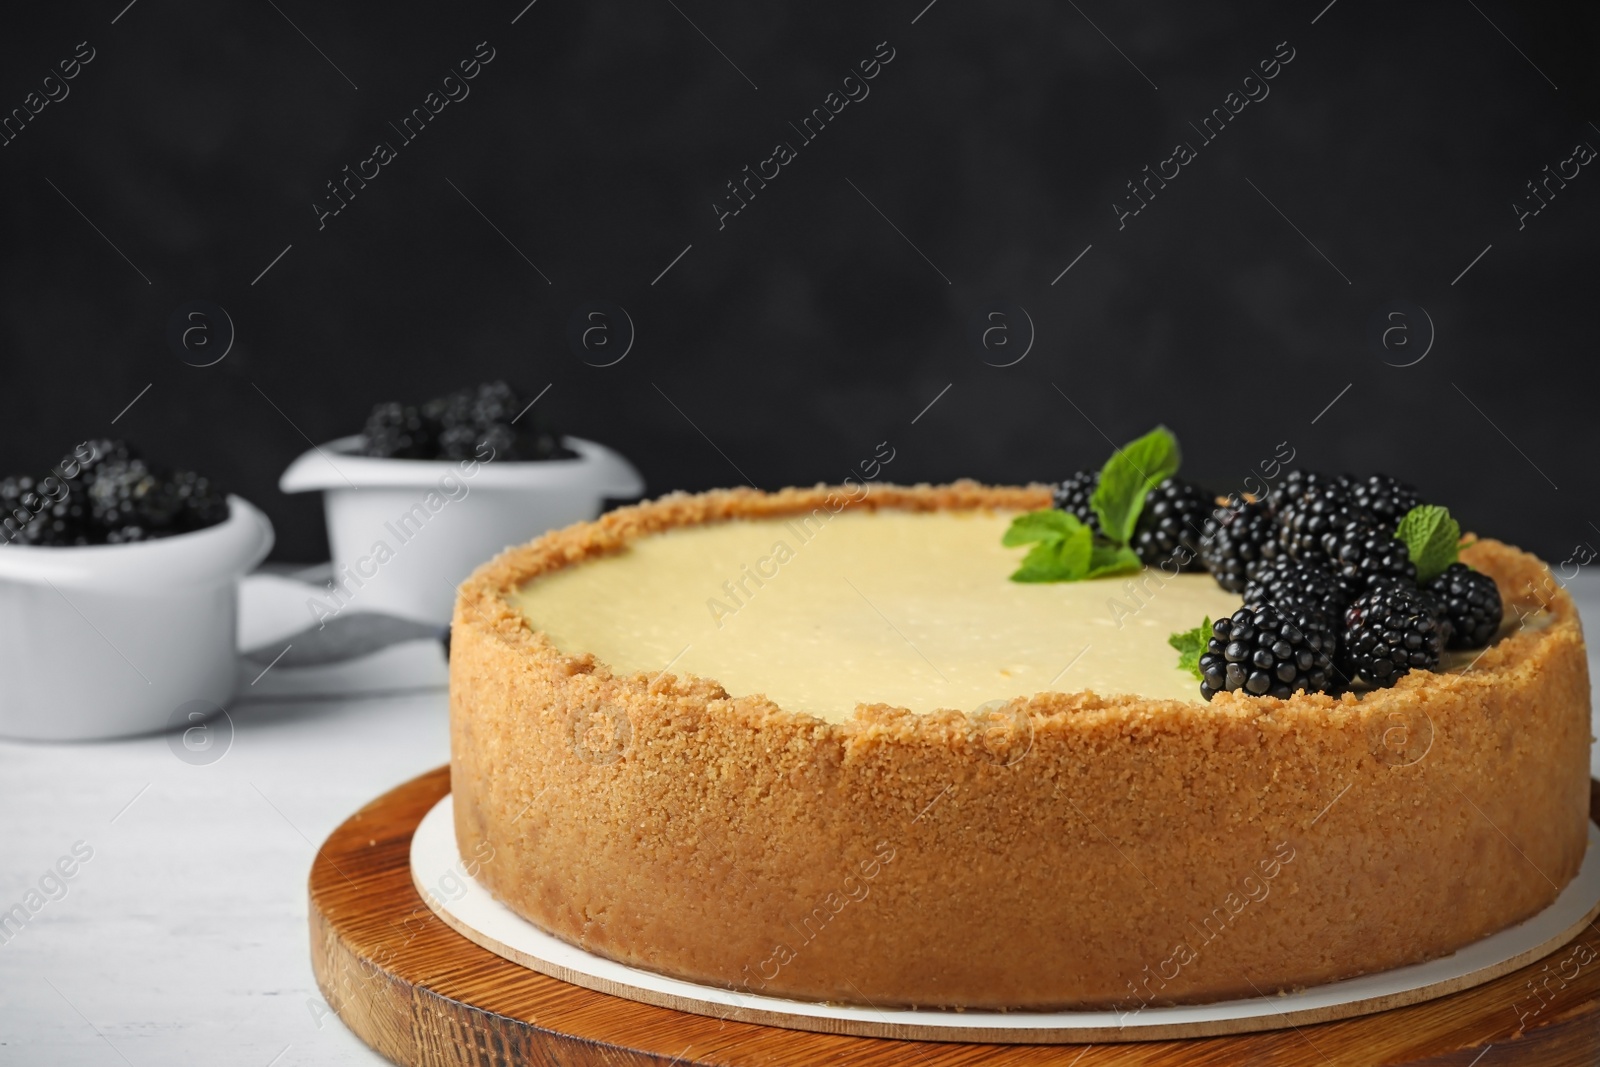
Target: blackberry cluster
x=1268, y=650
x=1340, y=559
x=109, y=495
x=1171, y=525
x=1072, y=496
x=1330, y=591
x=1390, y=630
x=1239, y=539
x=476, y=422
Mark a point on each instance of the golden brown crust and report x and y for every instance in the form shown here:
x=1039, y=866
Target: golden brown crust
x=1075, y=850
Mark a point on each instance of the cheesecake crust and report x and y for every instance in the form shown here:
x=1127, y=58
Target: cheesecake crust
x=1066, y=851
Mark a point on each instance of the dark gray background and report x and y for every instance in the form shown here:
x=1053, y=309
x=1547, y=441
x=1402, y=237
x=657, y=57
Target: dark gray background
x=809, y=329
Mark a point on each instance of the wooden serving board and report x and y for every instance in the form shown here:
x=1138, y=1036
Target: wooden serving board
x=421, y=994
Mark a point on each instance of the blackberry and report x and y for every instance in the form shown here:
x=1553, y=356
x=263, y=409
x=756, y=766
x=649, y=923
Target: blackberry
x=1305, y=522
x=542, y=444
x=1382, y=496
x=457, y=425
x=203, y=503
x=1296, y=484
x=1267, y=650
x=20, y=504
x=1431, y=599
x=132, y=493
x=452, y=410
x=1389, y=631
x=96, y=453
x=496, y=404
x=1470, y=602
x=1239, y=539
x=110, y=496
x=461, y=442
x=1072, y=496
x=65, y=520
x=504, y=442
x=1304, y=582
x=397, y=431
x=1367, y=549
x=1171, y=524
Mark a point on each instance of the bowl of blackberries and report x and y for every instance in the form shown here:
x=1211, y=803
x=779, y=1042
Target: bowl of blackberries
x=119, y=595
x=427, y=492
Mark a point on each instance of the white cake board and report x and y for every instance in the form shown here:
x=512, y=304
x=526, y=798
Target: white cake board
x=437, y=872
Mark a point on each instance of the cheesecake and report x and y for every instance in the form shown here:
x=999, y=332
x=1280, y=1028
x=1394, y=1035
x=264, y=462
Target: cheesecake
x=813, y=744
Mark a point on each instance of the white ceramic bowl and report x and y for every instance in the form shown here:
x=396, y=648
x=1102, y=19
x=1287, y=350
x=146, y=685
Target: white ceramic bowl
x=403, y=533
x=109, y=640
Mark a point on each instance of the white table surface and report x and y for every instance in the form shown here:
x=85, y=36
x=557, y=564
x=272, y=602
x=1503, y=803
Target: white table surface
x=184, y=940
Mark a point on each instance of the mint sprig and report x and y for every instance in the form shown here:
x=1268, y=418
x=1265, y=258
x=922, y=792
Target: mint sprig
x=1062, y=546
x=1190, y=645
x=1127, y=478
x=1066, y=550
x=1107, y=560
x=1045, y=525
x=1432, y=538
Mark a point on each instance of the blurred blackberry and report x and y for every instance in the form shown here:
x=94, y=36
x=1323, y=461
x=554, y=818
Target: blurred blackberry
x=541, y=444
x=1267, y=650
x=65, y=520
x=458, y=442
x=1388, y=631
x=204, y=504
x=1470, y=601
x=1382, y=496
x=1307, y=582
x=1072, y=496
x=1295, y=484
x=1305, y=522
x=99, y=452
x=1367, y=549
x=1171, y=524
x=505, y=442
x=132, y=493
x=1239, y=539
x=496, y=404
x=20, y=504
x=468, y=419
x=450, y=410
x=397, y=431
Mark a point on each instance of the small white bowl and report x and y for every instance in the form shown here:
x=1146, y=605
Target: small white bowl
x=104, y=641
x=403, y=533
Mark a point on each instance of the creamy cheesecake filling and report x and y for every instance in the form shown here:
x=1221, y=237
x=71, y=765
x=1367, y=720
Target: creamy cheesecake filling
x=909, y=609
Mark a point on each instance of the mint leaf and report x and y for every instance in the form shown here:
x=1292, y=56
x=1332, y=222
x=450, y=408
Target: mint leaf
x=1127, y=478
x=1040, y=526
x=1106, y=560
x=1058, y=559
x=1190, y=645
x=1432, y=538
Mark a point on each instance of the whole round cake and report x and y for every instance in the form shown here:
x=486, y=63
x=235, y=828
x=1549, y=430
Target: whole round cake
x=814, y=744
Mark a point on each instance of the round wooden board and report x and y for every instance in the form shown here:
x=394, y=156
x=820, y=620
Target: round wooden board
x=421, y=994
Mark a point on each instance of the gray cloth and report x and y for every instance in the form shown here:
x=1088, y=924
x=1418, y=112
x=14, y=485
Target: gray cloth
x=344, y=637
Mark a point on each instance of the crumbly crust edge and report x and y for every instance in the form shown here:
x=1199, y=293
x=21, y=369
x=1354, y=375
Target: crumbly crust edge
x=1526, y=586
